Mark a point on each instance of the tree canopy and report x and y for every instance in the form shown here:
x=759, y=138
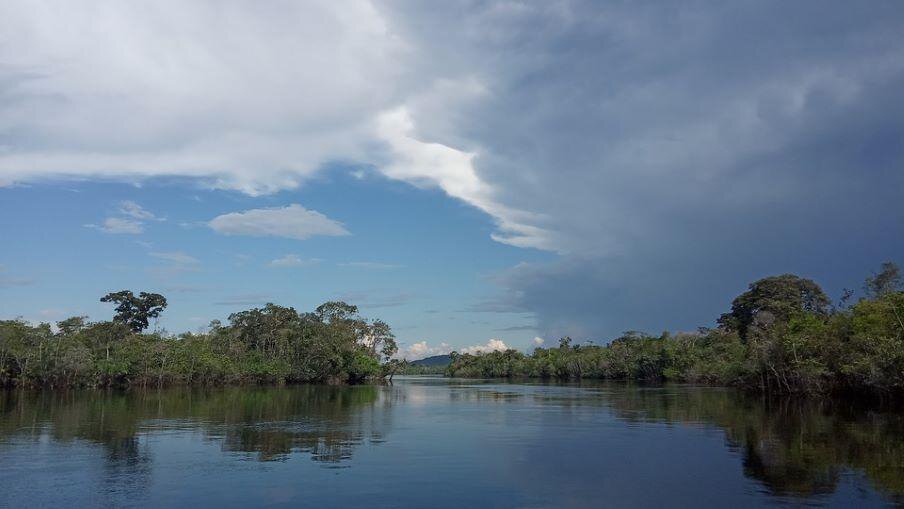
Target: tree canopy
x=781, y=336
x=270, y=344
x=774, y=299
x=134, y=311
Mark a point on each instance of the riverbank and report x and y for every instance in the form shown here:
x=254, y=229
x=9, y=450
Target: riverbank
x=268, y=345
x=782, y=336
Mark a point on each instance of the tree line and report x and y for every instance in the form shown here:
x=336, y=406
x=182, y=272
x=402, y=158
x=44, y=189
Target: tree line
x=271, y=344
x=783, y=335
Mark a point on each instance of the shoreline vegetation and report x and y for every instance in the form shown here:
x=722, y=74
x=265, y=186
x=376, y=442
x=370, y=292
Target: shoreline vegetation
x=782, y=336
x=268, y=345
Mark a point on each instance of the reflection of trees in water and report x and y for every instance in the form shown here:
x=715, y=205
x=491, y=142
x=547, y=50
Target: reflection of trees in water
x=324, y=422
x=794, y=448
x=96, y=417
x=126, y=461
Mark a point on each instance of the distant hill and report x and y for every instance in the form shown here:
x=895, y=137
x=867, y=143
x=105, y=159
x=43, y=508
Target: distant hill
x=436, y=360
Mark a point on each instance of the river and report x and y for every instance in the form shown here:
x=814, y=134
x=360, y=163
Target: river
x=435, y=442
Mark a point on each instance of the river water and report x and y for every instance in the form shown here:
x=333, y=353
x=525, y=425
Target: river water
x=435, y=442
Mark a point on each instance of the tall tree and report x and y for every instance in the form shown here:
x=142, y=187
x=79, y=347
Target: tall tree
x=136, y=311
x=378, y=337
x=774, y=299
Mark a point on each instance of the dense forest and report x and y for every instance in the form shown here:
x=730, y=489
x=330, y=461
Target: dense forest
x=272, y=344
x=783, y=335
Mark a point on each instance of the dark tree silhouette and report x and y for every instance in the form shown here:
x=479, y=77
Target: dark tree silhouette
x=134, y=311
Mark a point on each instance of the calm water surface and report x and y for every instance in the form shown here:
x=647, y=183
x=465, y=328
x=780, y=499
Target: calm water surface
x=431, y=442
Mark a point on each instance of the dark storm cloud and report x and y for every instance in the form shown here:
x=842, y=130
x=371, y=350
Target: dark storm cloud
x=675, y=152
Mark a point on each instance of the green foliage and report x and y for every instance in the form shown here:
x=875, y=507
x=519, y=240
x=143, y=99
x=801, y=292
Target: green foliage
x=407, y=368
x=774, y=299
x=272, y=344
x=134, y=311
x=781, y=336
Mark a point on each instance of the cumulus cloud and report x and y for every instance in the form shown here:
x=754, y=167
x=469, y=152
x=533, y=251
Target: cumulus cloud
x=421, y=349
x=292, y=221
x=118, y=226
x=240, y=97
x=493, y=345
x=292, y=260
x=308, y=83
x=538, y=341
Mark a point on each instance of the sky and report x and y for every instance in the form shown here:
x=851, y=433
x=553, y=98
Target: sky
x=480, y=175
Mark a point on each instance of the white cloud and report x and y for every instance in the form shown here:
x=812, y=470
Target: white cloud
x=293, y=221
x=118, y=225
x=136, y=211
x=538, y=341
x=307, y=83
x=493, y=345
x=132, y=223
x=292, y=260
x=241, y=97
x=176, y=257
x=434, y=164
x=421, y=350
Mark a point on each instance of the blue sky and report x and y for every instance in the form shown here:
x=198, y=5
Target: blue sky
x=415, y=258
x=477, y=174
